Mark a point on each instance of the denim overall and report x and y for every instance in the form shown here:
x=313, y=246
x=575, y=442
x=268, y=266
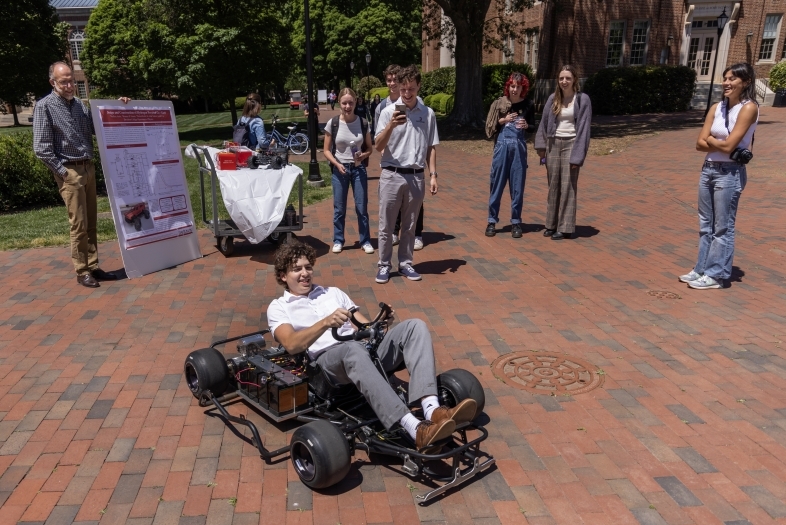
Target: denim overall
x=508, y=165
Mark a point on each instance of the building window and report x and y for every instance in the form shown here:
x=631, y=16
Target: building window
x=697, y=24
x=81, y=89
x=693, y=51
x=769, y=37
x=704, y=68
x=638, y=48
x=508, y=51
x=534, y=51
x=77, y=41
x=616, y=38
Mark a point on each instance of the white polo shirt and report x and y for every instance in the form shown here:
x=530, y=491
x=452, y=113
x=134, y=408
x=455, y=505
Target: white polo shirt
x=302, y=312
x=409, y=143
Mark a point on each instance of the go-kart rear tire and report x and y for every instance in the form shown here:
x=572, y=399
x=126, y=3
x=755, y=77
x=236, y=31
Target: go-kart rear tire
x=457, y=385
x=320, y=454
x=206, y=371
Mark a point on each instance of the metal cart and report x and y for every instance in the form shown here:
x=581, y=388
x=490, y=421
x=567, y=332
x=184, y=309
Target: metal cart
x=226, y=231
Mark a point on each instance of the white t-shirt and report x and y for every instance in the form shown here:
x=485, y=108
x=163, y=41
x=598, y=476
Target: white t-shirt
x=408, y=144
x=302, y=312
x=566, y=125
x=346, y=134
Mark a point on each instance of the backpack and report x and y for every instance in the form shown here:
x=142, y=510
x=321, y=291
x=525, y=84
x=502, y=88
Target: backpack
x=241, y=133
x=363, y=130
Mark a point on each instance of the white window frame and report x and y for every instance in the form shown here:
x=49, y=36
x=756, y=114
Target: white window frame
x=81, y=88
x=776, y=34
x=76, y=43
x=534, y=49
x=646, y=43
x=622, y=43
x=509, y=51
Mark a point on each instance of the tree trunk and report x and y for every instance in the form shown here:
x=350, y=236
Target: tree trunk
x=468, y=103
x=233, y=110
x=13, y=112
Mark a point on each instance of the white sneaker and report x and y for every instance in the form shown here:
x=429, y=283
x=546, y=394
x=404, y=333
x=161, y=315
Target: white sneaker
x=418, y=243
x=337, y=247
x=705, y=282
x=688, y=277
x=368, y=248
x=395, y=240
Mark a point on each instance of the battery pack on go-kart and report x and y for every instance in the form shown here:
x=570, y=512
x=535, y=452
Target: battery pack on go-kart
x=338, y=420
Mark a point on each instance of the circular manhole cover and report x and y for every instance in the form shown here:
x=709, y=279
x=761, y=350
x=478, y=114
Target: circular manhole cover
x=547, y=374
x=662, y=294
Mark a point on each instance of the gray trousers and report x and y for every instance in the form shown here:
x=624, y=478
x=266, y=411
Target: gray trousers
x=398, y=191
x=408, y=341
x=563, y=185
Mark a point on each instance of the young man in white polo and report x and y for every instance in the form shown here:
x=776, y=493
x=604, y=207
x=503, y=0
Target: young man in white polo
x=407, y=140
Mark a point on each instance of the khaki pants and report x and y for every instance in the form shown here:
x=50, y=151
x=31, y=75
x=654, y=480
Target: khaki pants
x=398, y=193
x=79, y=194
x=563, y=185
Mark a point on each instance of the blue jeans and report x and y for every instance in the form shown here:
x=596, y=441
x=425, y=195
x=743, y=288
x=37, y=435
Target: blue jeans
x=720, y=187
x=508, y=165
x=356, y=177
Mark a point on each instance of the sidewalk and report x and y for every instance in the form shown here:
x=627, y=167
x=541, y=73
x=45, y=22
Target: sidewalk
x=689, y=425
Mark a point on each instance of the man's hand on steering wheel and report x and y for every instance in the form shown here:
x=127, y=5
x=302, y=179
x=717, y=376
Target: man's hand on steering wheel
x=337, y=319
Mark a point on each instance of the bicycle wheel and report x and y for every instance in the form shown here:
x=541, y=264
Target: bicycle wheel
x=298, y=144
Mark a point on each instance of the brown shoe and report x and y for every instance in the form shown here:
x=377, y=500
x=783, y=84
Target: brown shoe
x=461, y=413
x=87, y=280
x=428, y=432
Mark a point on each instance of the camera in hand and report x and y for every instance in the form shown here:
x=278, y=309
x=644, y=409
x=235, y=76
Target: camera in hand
x=741, y=155
x=272, y=158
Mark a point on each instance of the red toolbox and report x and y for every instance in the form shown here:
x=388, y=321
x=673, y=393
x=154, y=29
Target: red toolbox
x=227, y=160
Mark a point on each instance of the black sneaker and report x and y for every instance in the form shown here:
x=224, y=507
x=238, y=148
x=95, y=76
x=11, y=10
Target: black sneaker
x=515, y=231
x=490, y=230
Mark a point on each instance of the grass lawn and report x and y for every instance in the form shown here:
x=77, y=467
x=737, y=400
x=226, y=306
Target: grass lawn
x=49, y=226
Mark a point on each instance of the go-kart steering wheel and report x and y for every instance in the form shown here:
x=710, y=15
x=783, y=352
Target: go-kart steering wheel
x=364, y=330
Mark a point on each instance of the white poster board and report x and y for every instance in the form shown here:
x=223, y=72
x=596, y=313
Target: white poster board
x=146, y=182
x=322, y=96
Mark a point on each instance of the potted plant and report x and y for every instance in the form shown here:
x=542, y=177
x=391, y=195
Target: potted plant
x=778, y=83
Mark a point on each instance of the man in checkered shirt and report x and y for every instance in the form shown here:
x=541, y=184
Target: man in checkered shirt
x=63, y=139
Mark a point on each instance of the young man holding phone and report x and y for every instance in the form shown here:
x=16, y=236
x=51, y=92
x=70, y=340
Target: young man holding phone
x=407, y=138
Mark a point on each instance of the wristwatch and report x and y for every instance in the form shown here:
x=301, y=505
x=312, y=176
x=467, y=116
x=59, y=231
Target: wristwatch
x=433, y=173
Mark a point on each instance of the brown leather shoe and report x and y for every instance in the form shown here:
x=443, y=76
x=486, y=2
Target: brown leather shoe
x=87, y=280
x=428, y=432
x=101, y=275
x=461, y=413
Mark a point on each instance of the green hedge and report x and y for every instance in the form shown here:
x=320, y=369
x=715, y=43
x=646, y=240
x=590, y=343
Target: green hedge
x=495, y=76
x=440, y=103
x=778, y=76
x=383, y=92
x=25, y=182
x=641, y=89
x=440, y=80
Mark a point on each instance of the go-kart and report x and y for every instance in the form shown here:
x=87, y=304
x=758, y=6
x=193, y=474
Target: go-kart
x=338, y=419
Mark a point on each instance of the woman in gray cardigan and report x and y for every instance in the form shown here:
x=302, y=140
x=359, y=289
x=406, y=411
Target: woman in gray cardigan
x=562, y=142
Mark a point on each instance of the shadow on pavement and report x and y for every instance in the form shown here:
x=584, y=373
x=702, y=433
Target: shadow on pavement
x=439, y=267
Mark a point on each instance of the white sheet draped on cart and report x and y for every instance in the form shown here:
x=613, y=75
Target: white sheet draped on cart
x=255, y=199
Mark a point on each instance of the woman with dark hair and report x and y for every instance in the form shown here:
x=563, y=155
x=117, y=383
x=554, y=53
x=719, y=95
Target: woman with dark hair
x=347, y=147
x=726, y=136
x=562, y=143
x=257, y=138
x=508, y=119
x=361, y=109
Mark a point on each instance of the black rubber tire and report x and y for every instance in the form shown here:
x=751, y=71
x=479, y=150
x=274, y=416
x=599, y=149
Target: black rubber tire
x=206, y=371
x=457, y=385
x=226, y=245
x=320, y=454
x=146, y=213
x=137, y=223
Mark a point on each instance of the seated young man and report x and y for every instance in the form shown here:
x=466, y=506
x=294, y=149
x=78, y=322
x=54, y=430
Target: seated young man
x=302, y=319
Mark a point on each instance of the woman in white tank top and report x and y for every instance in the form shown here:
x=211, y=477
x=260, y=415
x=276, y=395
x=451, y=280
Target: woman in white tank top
x=727, y=137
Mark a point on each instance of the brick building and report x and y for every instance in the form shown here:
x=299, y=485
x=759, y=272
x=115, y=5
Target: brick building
x=593, y=34
x=76, y=13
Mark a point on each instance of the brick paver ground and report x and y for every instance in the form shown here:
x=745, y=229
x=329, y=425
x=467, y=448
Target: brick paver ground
x=97, y=424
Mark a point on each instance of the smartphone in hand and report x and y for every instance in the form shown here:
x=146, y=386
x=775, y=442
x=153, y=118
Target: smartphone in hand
x=402, y=109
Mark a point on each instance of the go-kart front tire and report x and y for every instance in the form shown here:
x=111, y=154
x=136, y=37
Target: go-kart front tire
x=454, y=386
x=320, y=454
x=206, y=371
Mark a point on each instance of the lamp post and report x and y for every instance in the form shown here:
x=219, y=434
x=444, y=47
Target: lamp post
x=351, y=69
x=314, y=178
x=368, y=72
x=722, y=19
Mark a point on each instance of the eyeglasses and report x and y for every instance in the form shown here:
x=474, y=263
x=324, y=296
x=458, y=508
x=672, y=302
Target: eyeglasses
x=65, y=84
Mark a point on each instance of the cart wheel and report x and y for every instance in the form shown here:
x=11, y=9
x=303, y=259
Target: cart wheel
x=320, y=454
x=206, y=371
x=226, y=245
x=454, y=386
x=137, y=223
x=147, y=214
x=276, y=238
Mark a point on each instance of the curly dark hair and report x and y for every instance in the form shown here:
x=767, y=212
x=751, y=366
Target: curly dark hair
x=288, y=255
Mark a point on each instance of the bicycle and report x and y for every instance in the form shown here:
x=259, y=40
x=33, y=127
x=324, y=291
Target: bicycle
x=296, y=142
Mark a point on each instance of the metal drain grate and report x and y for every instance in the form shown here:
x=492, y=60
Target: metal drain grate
x=547, y=374
x=662, y=294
